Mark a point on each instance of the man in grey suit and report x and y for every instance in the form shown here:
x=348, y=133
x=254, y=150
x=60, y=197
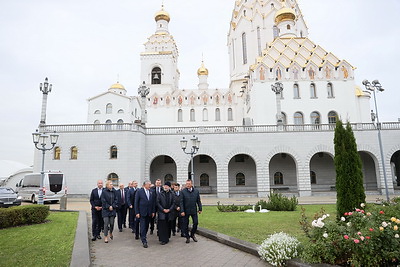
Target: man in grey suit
x=190, y=206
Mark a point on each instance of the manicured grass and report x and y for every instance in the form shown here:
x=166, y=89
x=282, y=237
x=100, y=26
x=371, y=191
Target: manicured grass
x=255, y=227
x=47, y=244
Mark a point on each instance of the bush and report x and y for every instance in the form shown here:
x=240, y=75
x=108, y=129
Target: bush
x=278, y=202
x=232, y=208
x=20, y=215
x=279, y=248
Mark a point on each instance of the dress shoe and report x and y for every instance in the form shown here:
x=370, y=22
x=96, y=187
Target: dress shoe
x=178, y=230
x=163, y=243
x=98, y=237
x=194, y=238
x=137, y=237
x=120, y=230
x=187, y=240
x=151, y=232
x=145, y=245
x=94, y=238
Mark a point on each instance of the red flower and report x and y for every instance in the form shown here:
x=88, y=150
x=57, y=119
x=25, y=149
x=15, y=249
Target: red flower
x=350, y=213
x=371, y=229
x=381, y=212
x=346, y=214
x=356, y=241
x=367, y=237
x=346, y=237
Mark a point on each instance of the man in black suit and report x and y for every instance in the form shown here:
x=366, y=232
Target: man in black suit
x=190, y=201
x=133, y=221
x=97, y=218
x=122, y=195
x=176, y=214
x=156, y=189
x=145, y=202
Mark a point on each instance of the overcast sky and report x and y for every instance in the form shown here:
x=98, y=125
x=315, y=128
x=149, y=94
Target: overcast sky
x=83, y=46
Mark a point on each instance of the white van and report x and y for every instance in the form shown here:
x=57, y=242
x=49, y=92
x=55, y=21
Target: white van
x=54, y=187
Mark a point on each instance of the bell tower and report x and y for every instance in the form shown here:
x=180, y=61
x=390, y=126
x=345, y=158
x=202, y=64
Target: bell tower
x=159, y=61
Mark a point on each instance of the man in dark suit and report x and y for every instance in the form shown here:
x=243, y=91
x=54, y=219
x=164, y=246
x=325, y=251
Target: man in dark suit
x=133, y=221
x=97, y=218
x=145, y=202
x=156, y=189
x=190, y=201
x=122, y=195
x=176, y=214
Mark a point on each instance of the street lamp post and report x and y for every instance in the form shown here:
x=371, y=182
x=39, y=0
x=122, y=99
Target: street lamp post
x=193, y=150
x=40, y=141
x=376, y=86
x=143, y=91
x=277, y=88
x=45, y=88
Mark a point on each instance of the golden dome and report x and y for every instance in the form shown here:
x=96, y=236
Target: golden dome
x=285, y=13
x=162, y=15
x=117, y=86
x=202, y=70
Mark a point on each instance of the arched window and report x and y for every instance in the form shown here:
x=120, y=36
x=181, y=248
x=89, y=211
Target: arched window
x=288, y=27
x=108, y=127
x=284, y=118
x=119, y=124
x=113, y=177
x=244, y=48
x=204, y=180
x=298, y=118
x=156, y=75
x=168, y=178
x=96, y=122
x=332, y=117
x=217, y=114
x=315, y=118
x=313, y=91
x=180, y=115
x=240, y=179
x=113, y=152
x=296, y=91
x=120, y=121
x=74, y=152
x=192, y=115
x=278, y=178
x=329, y=87
x=57, y=153
x=259, y=41
x=205, y=114
x=109, y=108
x=120, y=111
x=230, y=114
x=313, y=177
x=97, y=112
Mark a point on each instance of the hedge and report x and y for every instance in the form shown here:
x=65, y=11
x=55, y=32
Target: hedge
x=21, y=215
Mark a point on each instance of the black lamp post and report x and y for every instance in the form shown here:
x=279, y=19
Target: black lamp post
x=193, y=150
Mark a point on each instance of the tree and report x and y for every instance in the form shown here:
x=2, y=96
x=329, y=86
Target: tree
x=348, y=165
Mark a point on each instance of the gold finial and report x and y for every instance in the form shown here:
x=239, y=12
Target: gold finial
x=202, y=70
x=162, y=14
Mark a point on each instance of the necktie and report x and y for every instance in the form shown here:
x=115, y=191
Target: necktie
x=147, y=194
x=99, y=192
x=123, y=197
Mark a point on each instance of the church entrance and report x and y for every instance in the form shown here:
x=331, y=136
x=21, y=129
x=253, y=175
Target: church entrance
x=242, y=175
x=369, y=171
x=283, y=173
x=163, y=167
x=205, y=174
x=322, y=172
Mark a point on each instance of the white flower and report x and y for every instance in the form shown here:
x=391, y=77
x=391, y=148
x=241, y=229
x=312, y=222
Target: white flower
x=343, y=219
x=349, y=224
x=362, y=205
x=324, y=217
x=384, y=224
x=327, y=215
x=396, y=235
x=278, y=248
x=325, y=235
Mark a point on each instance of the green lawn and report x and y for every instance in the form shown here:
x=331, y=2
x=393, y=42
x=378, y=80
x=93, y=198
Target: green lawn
x=47, y=244
x=255, y=227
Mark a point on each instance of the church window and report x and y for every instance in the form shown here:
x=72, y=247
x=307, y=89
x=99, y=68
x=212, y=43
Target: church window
x=272, y=5
x=57, y=153
x=301, y=34
x=296, y=91
x=96, y=122
x=240, y=179
x=259, y=41
x=205, y=114
x=244, y=13
x=315, y=118
x=108, y=127
x=217, y=114
x=113, y=177
x=97, y=112
x=192, y=115
x=156, y=76
x=109, y=108
x=180, y=119
x=113, y=152
x=74, y=152
x=119, y=124
x=288, y=27
x=204, y=179
x=120, y=111
x=332, y=117
x=230, y=114
x=313, y=91
x=244, y=48
x=298, y=118
x=313, y=177
x=278, y=178
x=330, y=90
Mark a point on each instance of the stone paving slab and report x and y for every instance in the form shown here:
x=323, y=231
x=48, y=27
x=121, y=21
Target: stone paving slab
x=124, y=250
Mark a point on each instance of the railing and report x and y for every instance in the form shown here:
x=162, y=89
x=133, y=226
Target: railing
x=211, y=129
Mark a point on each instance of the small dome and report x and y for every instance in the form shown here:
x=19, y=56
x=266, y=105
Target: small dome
x=162, y=15
x=117, y=86
x=202, y=70
x=283, y=14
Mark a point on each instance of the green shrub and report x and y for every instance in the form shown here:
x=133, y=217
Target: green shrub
x=278, y=202
x=232, y=208
x=20, y=215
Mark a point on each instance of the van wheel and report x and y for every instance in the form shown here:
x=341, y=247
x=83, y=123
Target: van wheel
x=33, y=199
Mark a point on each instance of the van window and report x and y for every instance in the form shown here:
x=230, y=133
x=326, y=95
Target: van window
x=32, y=181
x=55, y=181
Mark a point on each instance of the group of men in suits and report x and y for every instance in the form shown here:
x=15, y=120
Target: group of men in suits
x=150, y=204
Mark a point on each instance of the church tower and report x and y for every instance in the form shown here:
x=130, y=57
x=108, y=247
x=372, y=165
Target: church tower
x=255, y=24
x=202, y=73
x=159, y=62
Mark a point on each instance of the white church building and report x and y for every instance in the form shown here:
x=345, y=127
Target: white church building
x=252, y=138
